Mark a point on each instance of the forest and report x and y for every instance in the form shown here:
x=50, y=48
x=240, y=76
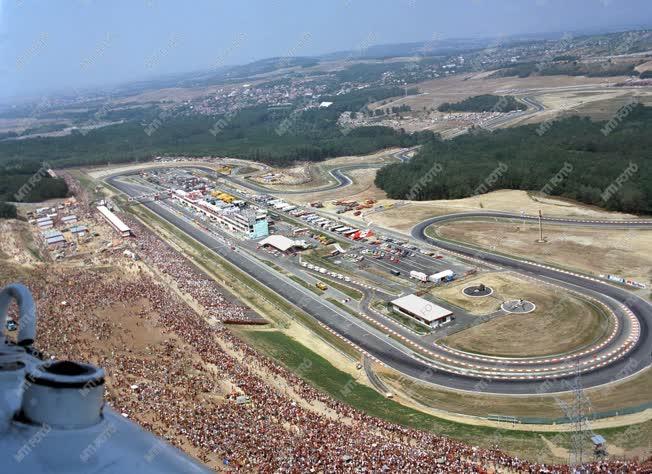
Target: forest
x=566, y=68
x=277, y=136
x=573, y=158
x=15, y=184
x=484, y=103
x=7, y=210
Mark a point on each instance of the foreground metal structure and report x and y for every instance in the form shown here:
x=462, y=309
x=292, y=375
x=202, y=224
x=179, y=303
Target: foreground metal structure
x=53, y=418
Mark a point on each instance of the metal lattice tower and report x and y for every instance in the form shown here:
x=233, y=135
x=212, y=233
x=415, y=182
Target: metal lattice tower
x=578, y=412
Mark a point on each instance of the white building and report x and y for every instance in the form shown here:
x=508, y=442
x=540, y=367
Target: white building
x=45, y=224
x=53, y=237
x=250, y=221
x=282, y=243
x=422, y=310
x=115, y=222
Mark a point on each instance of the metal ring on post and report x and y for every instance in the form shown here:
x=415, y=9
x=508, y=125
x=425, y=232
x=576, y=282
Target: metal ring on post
x=26, y=308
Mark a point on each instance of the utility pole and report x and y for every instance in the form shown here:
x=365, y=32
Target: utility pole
x=540, y=227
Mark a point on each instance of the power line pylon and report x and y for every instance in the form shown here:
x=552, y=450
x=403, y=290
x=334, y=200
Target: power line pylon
x=578, y=411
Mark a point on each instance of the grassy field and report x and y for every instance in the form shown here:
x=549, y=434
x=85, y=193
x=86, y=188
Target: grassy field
x=88, y=183
x=607, y=251
x=246, y=288
x=322, y=262
x=301, y=282
x=341, y=386
x=629, y=394
x=403, y=218
x=272, y=265
x=344, y=307
x=456, y=88
x=561, y=321
x=294, y=278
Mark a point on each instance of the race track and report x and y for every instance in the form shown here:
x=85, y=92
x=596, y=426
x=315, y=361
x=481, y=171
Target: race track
x=626, y=351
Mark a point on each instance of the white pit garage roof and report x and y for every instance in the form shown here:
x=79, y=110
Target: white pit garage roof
x=280, y=242
x=425, y=309
x=113, y=219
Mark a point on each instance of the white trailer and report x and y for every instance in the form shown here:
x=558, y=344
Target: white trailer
x=418, y=276
x=446, y=275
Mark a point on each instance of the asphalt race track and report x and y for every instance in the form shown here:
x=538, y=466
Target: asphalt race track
x=639, y=357
x=628, y=349
x=339, y=174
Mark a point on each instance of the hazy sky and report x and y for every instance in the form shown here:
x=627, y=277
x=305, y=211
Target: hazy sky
x=65, y=44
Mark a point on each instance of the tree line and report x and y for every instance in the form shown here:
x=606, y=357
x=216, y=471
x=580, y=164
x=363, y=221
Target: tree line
x=484, y=103
x=276, y=136
x=15, y=186
x=572, y=158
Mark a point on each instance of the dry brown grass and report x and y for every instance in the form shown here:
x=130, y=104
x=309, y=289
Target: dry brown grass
x=456, y=88
x=628, y=393
x=598, y=251
x=405, y=217
x=646, y=66
x=599, y=103
x=561, y=321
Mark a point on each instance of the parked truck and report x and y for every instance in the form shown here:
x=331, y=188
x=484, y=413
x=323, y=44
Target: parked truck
x=419, y=276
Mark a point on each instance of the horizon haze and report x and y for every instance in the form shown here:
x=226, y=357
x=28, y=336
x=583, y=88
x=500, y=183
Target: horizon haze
x=62, y=47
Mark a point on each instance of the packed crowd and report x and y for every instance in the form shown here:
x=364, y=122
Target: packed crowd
x=172, y=391
x=189, y=278
x=84, y=208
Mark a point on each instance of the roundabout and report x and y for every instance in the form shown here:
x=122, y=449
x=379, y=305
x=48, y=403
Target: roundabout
x=518, y=306
x=477, y=291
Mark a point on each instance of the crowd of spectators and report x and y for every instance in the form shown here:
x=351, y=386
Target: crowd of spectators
x=84, y=208
x=189, y=278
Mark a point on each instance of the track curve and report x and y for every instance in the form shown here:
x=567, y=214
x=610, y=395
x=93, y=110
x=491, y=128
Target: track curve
x=338, y=174
x=633, y=313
